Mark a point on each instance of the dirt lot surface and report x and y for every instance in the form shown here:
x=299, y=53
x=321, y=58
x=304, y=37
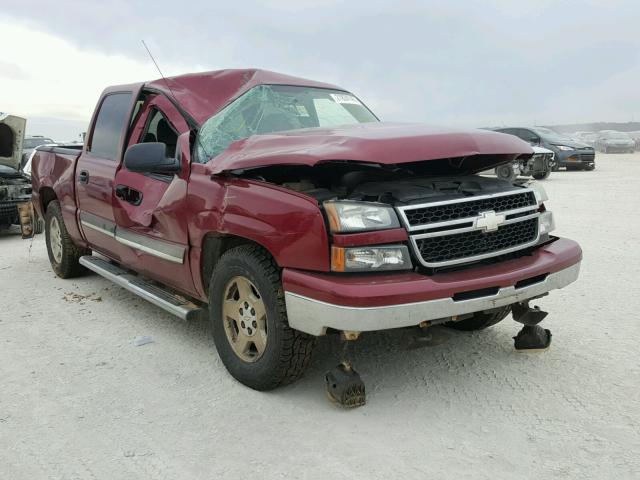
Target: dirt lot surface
x=78, y=400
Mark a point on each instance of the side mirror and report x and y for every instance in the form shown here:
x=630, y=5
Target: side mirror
x=150, y=158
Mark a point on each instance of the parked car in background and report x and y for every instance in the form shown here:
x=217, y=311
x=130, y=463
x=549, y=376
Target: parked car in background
x=538, y=166
x=569, y=154
x=611, y=141
x=588, y=138
x=31, y=142
x=636, y=138
x=15, y=188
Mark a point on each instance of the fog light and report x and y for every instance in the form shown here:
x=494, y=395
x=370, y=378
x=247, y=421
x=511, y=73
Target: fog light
x=546, y=222
x=360, y=259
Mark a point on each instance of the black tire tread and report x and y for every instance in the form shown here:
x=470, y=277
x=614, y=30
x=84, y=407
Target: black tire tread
x=480, y=320
x=70, y=266
x=296, y=347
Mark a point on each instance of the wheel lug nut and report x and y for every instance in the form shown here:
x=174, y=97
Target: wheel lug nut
x=242, y=324
x=253, y=312
x=246, y=305
x=249, y=331
x=254, y=324
x=241, y=312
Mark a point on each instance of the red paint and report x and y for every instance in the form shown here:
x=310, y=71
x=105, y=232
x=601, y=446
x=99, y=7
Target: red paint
x=395, y=235
x=383, y=143
x=397, y=288
x=199, y=200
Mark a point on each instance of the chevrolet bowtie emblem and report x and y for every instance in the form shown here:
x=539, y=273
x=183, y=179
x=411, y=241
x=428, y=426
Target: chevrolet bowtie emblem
x=489, y=221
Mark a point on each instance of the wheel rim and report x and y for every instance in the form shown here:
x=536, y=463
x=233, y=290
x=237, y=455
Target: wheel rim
x=245, y=319
x=55, y=239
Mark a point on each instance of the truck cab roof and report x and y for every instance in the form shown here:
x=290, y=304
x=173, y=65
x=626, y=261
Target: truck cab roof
x=203, y=94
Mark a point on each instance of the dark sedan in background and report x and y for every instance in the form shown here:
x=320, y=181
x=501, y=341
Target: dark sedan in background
x=569, y=154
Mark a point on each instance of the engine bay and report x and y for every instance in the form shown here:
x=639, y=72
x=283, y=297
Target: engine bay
x=372, y=183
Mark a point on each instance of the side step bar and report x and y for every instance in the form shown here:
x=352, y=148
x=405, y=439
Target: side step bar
x=175, y=304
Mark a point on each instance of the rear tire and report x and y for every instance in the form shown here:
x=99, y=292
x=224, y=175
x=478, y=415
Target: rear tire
x=64, y=255
x=246, y=289
x=481, y=320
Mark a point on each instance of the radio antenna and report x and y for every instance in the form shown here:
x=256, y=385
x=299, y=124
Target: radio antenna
x=166, y=82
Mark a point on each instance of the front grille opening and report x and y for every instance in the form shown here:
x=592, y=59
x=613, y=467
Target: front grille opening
x=521, y=214
x=471, y=208
x=471, y=294
x=453, y=247
x=449, y=227
x=531, y=281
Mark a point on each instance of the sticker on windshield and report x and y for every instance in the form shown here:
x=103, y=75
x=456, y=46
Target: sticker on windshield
x=344, y=98
x=302, y=111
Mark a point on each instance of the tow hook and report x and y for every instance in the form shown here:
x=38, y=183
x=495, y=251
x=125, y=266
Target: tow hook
x=531, y=337
x=343, y=384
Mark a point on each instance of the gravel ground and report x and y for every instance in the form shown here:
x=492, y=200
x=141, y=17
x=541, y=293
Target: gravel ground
x=79, y=401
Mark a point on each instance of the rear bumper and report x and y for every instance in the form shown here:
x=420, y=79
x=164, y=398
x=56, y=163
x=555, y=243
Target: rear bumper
x=316, y=302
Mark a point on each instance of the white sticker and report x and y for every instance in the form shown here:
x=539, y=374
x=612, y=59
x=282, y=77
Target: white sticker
x=344, y=98
x=302, y=111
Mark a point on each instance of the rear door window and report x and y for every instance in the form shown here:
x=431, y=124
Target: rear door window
x=107, y=132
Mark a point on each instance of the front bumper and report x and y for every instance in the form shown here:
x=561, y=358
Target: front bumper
x=316, y=302
x=576, y=158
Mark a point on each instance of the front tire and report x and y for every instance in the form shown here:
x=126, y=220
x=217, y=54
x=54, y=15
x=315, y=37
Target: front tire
x=64, y=255
x=249, y=319
x=481, y=320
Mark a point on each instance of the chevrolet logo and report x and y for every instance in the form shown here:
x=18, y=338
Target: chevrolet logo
x=489, y=221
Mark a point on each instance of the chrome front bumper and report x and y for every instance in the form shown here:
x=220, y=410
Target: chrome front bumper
x=314, y=316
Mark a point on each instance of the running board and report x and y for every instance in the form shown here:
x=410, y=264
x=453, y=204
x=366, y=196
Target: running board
x=175, y=304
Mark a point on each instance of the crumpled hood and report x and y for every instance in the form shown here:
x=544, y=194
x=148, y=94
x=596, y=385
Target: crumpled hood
x=381, y=143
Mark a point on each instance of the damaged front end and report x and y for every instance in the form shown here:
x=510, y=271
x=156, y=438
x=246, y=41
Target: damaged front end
x=15, y=187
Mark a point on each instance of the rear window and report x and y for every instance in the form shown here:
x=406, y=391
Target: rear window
x=107, y=132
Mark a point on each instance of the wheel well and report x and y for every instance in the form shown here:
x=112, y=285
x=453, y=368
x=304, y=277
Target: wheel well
x=47, y=195
x=213, y=247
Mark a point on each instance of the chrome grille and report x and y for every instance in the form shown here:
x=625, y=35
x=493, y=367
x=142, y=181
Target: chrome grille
x=469, y=208
x=470, y=244
x=470, y=229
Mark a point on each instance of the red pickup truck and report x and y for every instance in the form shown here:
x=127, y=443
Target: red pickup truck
x=284, y=209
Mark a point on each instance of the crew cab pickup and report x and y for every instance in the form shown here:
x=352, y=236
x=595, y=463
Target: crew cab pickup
x=283, y=209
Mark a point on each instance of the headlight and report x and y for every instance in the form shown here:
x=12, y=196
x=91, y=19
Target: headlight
x=367, y=259
x=546, y=223
x=564, y=147
x=345, y=217
x=539, y=192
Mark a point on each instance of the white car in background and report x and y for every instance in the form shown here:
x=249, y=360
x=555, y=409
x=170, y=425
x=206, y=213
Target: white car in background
x=539, y=166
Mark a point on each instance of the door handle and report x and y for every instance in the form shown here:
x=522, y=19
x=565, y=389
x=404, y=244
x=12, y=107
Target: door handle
x=128, y=194
x=83, y=177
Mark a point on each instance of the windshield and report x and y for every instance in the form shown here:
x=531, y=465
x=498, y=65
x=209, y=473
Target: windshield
x=550, y=135
x=35, y=142
x=274, y=108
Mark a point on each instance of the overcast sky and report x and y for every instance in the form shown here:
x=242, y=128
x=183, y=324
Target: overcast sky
x=472, y=63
